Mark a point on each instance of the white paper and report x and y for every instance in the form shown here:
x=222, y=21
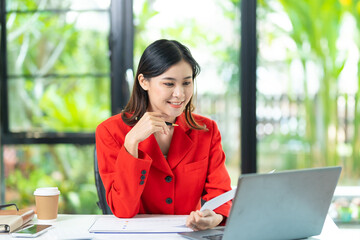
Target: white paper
x=219, y=200
x=143, y=224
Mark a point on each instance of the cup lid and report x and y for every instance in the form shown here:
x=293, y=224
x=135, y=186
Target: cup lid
x=47, y=191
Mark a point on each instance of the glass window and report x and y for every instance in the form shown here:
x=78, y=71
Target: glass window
x=68, y=167
x=31, y=5
x=212, y=34
x=58, y=81
x=63, y=43
x=58, y=65
x=308, y=92
x=73, y=104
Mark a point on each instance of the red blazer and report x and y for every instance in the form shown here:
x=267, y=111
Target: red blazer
x=194, y=168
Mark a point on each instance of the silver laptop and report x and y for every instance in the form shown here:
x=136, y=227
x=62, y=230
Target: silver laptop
x=283, y=205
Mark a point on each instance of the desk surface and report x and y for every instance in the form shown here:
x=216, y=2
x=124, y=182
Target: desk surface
x=76, y=227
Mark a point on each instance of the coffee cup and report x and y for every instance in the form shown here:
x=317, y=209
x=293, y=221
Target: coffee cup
x=46, y=201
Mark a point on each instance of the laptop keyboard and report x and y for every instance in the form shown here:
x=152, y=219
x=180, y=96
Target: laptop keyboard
x=214, y=237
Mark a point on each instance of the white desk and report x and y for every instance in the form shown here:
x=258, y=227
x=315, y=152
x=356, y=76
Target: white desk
x=76, y=227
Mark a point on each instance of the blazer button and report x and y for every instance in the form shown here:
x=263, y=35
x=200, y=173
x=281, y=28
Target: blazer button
x=169, y=200
x=142, y=177
x=168, y=179
x=142, y=182
x=143, y=172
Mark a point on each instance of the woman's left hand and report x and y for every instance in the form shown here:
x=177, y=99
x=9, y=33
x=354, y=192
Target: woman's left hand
x=203, y=220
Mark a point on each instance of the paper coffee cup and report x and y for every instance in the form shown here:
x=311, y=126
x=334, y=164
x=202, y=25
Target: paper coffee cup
x=46, y=200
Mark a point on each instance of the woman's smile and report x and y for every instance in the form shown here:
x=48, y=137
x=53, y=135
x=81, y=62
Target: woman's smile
x=176, y=104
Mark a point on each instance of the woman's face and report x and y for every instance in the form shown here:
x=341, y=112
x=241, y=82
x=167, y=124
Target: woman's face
x=171, y=91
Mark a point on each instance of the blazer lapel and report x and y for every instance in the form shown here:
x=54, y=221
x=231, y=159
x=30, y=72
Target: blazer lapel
x=181, y=143
x=151, y=147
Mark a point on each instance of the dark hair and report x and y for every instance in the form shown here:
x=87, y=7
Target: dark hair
x=156, y=59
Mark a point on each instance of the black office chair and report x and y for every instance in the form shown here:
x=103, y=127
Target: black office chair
x=102, y=204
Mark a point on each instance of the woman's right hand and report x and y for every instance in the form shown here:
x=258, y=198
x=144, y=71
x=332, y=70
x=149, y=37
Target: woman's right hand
x=149, y=123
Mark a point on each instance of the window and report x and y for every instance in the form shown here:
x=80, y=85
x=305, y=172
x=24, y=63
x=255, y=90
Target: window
x=308, y=92
x=308, y=86
x=55, y=91
x=67, y=166
x=57, y=66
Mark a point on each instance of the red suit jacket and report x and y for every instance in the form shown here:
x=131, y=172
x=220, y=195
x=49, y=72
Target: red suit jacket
x=194, y=168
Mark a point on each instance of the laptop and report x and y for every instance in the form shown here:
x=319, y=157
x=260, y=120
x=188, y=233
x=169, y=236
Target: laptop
x=284, y=205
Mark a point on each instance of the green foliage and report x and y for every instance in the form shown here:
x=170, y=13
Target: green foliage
x=229, y=55
x=42, y=44
x=316, y=27
x=353, y=6
x=73, y=107
x=316, y=24
x=295, y=152
x=141, y=20
x=65, y=166
x=47, y=43
x=25, y=5
x=24, y=183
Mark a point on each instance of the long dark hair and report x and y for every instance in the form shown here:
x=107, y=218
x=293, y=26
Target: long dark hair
x=156, y=59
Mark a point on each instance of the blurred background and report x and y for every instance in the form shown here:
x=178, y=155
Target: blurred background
x=60, y=68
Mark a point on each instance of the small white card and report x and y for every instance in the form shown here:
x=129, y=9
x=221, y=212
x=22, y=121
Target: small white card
x=219, y=200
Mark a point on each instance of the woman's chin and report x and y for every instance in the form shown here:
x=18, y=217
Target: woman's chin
x=174, y=114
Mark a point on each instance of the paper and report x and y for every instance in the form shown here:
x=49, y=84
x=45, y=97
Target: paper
x=219, y=200
x=143, y=224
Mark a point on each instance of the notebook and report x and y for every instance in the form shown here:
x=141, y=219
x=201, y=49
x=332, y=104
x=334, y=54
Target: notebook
x=11, y=220
x=283, y=205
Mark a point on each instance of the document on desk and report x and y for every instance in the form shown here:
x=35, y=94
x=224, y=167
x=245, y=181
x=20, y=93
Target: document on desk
x=140, y=224
x=219, y=200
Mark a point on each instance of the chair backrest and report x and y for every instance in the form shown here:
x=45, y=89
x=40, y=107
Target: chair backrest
x=102, y=204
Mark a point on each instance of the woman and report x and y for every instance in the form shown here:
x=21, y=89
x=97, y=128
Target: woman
x=157, y=156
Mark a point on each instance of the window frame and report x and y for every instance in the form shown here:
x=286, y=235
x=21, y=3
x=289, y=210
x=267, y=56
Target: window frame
x=120, y=40
x=248, y=67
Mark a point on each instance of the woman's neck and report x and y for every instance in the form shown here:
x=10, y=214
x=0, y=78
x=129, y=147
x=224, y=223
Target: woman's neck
x=164, y=141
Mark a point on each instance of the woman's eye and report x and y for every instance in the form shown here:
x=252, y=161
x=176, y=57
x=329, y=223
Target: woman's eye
x=169, y=84
x=187, y=83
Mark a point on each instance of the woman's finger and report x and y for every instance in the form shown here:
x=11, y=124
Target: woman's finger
x=190, y=219
x=149, y=123
x=192, y=223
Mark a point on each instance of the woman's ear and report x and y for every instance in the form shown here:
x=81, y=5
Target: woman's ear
x=144, y=83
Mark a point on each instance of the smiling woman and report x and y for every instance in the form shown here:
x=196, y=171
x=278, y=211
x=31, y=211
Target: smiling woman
x=166, y=73
x=144, y=163
x=171, y=91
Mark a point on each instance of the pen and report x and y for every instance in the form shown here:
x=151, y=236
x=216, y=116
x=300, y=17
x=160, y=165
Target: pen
x=171, y=124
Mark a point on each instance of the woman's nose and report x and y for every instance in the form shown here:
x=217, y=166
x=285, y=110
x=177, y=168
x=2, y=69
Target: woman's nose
x=179, y=92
